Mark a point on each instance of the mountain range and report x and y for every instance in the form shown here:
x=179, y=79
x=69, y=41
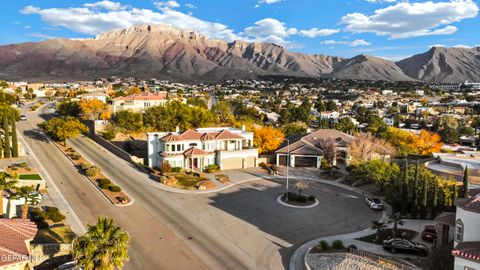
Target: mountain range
x=163, y=52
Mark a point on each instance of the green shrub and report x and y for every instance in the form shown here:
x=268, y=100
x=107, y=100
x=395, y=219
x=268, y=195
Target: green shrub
x=322, y=245
x=105, y=186
x=92, y=171
x=23, y=164
x=263, y=165
x=114, y=189
x=42, y=224
x=163, y=178
x=211, y=168
x=198, y=174
x=176, y=169
x=109, y=134
x=54, y=214
x=37, y=215
x=85, y=166
x=74, y=156
x=104, y=181
x=338, y=244
x=274, y=168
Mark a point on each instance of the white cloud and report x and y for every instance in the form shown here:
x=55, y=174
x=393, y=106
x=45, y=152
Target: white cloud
x=462, y=46
x=270, y=30
x=108, y=5
x=166, y=4
x=190, y=6
x=404, y=20
x=269, y=2
x=360, y=42
x=89, y=20
x=355, y=43
x=381, y=1
x=315, y=32
x=437, y=45
x=41, y=36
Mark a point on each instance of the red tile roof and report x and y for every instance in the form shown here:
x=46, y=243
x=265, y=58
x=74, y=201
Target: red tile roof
x=225, y=134
x=193, y=151
x=468, y=250
x=145, y=96
x=190, y=134
x=171, y=138
x=13, y=236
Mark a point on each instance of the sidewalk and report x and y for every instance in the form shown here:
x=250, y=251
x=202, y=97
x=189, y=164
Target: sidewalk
x=297, y=261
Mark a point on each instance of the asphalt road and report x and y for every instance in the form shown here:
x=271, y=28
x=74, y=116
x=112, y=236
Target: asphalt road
x=239, y=228
x=153, y=245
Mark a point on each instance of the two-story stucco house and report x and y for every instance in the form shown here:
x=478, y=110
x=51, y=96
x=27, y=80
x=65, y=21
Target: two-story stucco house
x=467, y=235
x=229, y=148
x=139, y=102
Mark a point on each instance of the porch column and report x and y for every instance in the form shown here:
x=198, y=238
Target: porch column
x=319, y=162
x=292, y=161
x=278, y=159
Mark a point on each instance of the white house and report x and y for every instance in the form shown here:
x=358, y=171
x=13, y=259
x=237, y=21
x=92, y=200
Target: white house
x=467, y=235
x=229, y=148
x=95, y=95
x=139, y=102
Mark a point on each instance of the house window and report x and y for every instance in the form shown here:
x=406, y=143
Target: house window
x=168, y=148
x=459, y=231
x=193, y=145
x=179, y=147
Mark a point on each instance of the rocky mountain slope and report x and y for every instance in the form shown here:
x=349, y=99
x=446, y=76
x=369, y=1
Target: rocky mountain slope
x=158, y=51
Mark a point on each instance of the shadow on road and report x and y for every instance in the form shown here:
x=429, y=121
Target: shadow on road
x=35, y=134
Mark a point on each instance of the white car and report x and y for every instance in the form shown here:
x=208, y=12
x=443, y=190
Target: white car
x=23, y=117
x=69, y=266
x=374, y=203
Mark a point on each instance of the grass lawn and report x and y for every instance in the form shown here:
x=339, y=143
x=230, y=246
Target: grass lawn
x=187, y=181
x=57, y=234
x=34, y=176
x=387, y=234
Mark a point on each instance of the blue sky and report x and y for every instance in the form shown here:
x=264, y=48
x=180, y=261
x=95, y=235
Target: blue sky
x=393, y=29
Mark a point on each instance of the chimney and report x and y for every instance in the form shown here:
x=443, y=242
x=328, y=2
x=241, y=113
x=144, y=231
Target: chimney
x=177, y=129
x=243, y=127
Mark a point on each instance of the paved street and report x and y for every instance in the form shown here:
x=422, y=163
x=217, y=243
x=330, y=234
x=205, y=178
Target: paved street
x=241, y=227
x=153, y=245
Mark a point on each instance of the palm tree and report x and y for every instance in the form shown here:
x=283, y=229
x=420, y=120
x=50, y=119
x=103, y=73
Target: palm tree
x=5, y=183
x=103, y=247
x=26, y=193
x=379, y=227
x=396, y=219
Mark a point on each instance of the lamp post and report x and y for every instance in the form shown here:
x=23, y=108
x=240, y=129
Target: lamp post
x=288, y=165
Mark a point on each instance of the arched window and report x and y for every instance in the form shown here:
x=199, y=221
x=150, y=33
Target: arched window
x=459, y=231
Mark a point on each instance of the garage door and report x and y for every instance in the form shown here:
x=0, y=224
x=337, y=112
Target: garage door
x=232, y=163
x=250, y=162
x=305, y=162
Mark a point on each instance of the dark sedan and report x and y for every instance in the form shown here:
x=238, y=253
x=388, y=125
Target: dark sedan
x=429, y=233
x=395, y=245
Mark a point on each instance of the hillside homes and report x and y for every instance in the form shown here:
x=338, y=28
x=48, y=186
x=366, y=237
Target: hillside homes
x=139, y=102
x=229, y=148
x=467, y=235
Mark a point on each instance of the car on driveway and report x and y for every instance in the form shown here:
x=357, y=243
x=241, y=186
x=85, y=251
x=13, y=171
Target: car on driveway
x=69, y=266
x=395, y=245
x=374, y=203
x=429, y=233
x=23, y=117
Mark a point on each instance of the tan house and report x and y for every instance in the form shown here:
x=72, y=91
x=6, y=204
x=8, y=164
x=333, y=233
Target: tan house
x=139, y=102
x=15, y=237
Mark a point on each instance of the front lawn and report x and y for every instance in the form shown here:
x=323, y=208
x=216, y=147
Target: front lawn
x=56, y=234
x=187, y=181
x=34, y=176
x=387, y=234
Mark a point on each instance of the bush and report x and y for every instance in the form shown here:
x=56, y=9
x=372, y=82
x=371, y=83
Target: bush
x=166, y=168
x=74, y=156
x=263, y=165
x=176, y=169
x=42, y=224
x=211, y=168
x=54, y=214
x=311, y=198
x=352, y=247
x=109, y=134
x=338, y=244
x=274, y=168
x=23, y=164
x=104, y=181
x=85, y=166
x=37, y=215
x=114, y=189
x=198, y=174
x=92, y=171
x=163, y=178
x=322, y=245
x=104, y=186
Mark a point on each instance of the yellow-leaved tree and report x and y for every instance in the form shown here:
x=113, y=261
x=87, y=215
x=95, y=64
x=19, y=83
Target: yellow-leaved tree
x=267, y=139
x=428, y=143
x=94, y=109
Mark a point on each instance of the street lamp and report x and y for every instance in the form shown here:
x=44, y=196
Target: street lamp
x=288, y=165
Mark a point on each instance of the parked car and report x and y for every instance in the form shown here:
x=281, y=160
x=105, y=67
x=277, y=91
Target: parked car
x=69, y=266
x=374, y=203
x=23, y=117
x=429, y=233
x=395, y=245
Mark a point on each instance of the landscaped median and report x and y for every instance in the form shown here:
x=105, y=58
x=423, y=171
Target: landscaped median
x=113, y=192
